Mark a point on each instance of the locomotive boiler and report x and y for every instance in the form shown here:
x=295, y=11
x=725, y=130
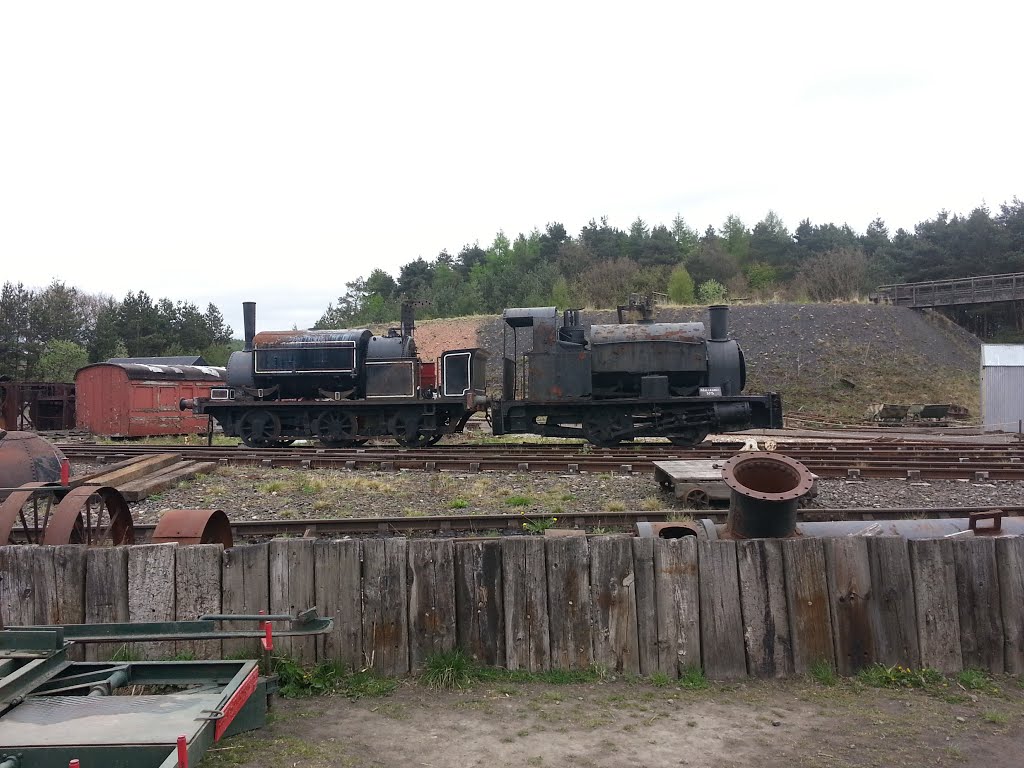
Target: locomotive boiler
x=342, y=387
x=626, y=380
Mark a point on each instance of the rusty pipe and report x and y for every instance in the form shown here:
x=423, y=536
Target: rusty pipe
x=766, y=492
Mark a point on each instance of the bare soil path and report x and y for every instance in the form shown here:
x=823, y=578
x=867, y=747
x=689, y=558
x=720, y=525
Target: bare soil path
x=618, y=723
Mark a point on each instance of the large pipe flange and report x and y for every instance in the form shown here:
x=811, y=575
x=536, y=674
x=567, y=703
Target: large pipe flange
x=766, y=492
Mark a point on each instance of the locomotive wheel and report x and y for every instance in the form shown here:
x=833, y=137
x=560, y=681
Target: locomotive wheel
x=91, y=515
x=607, y=429
x=697, y=498
x=260, y=429
x=27, y=509
x=688, y=437
x=406, y=431
x=336, y=429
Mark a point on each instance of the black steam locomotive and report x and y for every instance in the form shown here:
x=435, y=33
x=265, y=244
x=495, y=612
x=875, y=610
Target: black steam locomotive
x=628, y=380
x=343, y=387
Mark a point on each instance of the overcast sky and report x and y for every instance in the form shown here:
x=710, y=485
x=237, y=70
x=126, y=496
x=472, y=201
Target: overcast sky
x=221, y=151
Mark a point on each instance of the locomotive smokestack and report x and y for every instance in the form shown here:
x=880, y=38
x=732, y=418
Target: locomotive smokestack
x=249, y=321
x=719, y=322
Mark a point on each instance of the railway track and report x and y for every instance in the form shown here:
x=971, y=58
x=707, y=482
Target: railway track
x=912, y=460
x=497, y=523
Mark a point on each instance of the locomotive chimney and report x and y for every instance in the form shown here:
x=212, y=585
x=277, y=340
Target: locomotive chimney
x=719, y=322
x=249, y=321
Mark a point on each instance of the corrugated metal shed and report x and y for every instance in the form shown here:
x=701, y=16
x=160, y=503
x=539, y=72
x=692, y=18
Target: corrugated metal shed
x=1002, y=387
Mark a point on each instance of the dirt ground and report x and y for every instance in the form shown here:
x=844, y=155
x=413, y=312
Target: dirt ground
x=620, y=723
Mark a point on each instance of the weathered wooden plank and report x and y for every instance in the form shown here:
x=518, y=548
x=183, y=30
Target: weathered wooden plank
x=245, y=589
x=69, y=583
x=893, y=606
x=613, y=600
x=524, y=581
x=762, y=580
x=479, y=601
x=1010, y=563
x=569, y=619
x=293, y=590
x=676, y=585
x=431, y=599
x=339, y=596
x=981, y=620
x=721, y=619
x=197, y=592
x=151, y=593
x=810, y=623
x=385, y=607
x=851, y=601
x=106, y=594
x=17, y=586
x=935, y=596
x=646, y=606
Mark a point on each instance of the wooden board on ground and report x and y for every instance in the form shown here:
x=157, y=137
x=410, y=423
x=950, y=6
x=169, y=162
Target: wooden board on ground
x=721, y=619
x=431, y=599
x=339, y=596
x=524, y=583
x=161, y=480
x=245, y=585
x=292, y=590
x=479, y=601
x=140, y=467
x=676, y=585
x=981, y=619
x=197, y=592
x=762, y=581
x=613, y=597
x=895, y=612
x=385, y=607
x=569, y=602
x=810, y=622
x=935, y=595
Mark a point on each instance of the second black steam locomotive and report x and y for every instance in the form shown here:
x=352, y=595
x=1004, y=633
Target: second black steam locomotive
x=618, y=382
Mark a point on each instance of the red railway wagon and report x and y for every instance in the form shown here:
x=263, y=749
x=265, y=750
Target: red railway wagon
x=139, y=400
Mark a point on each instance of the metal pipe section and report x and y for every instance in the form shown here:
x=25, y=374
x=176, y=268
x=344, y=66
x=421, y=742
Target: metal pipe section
x=249, y=322
x=719, y=322
x=766, y=491
x=706, y=528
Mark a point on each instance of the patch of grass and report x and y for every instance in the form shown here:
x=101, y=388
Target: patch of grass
x=615, y=506
x=540, y=524
x=693, y=679
x=518, y=501
x=660, y=680
x=973, y=679
x=823, y=673
x=274, y=486
x=458, y=504
x=650, y=503
x=448, y=670
x=996, y=718
x=321, y=504
x=896, y=676
x=329, y=677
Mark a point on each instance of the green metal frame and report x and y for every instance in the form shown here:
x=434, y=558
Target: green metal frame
x=53, y=710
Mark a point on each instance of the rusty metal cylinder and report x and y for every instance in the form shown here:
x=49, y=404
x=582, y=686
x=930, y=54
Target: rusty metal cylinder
x=719, y=321
x=766, y=491
x=249, y=323
x=25, y=457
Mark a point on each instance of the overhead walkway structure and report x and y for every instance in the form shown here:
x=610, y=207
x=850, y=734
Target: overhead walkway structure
x=986, y=289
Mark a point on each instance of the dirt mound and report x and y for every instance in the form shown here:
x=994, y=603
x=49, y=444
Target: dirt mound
x=832, y=360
